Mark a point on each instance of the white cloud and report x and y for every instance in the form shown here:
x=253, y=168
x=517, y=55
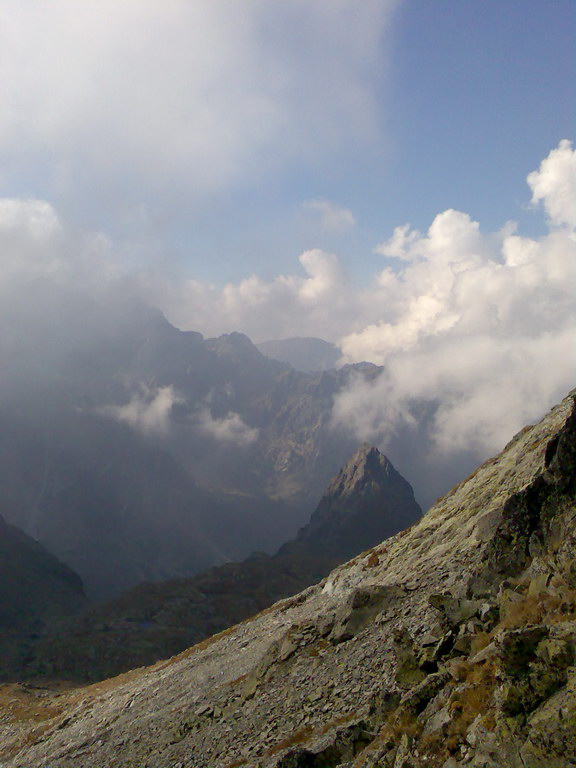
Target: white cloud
x=289, y=305
x=333, y=218
x=140, y=98
x=400, y=244
x=148, y=411
x=229, y=429
x=554, y=184
x=35, y=243
x=481, y=327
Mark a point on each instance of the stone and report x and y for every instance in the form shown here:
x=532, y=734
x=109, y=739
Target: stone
x=456, y=610
x=555, y=652
x=518, y=647
x=362, y=605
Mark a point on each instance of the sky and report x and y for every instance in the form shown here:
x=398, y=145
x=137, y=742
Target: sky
x=396, y=176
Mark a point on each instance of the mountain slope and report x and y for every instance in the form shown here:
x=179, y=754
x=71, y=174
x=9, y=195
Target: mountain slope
x=34, y=585
x=35, y=590
x=450, y=644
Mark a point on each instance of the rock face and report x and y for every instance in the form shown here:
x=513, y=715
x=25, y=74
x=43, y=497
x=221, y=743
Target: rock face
x=451, y=644
x=366, y=502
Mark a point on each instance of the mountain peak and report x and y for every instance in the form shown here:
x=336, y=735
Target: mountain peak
x=367, y=501
x=364, y=472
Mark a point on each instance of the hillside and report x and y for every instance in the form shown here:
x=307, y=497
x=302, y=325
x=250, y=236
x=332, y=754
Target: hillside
x=35, y=591
x=450, y=644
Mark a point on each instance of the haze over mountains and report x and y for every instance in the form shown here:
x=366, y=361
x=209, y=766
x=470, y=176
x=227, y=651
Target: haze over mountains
x=304, y=354
x=136, y=452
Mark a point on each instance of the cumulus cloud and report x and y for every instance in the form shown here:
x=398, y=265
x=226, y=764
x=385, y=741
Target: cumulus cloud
x=554, y=184
x=148, y=411
x=230, y=429
x=481, y=327
x=333, y=218
x=139, y=99
x=322, y=300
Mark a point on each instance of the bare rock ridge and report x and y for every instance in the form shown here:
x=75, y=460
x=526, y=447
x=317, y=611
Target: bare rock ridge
x=451, y=644
x=366, y=502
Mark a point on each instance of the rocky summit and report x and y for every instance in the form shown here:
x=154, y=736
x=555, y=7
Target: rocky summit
x=367, y=502
x=451, y=644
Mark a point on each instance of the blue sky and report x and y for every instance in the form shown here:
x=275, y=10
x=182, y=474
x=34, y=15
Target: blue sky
x=470, y=97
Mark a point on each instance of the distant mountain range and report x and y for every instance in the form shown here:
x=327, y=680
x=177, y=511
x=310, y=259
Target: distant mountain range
x=136, y=452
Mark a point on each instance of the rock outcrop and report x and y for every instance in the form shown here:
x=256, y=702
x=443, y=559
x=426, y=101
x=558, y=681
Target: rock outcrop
x=451, y=644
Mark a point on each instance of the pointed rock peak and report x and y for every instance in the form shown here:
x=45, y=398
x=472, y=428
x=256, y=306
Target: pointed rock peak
x=367, y=502
x=367, y=466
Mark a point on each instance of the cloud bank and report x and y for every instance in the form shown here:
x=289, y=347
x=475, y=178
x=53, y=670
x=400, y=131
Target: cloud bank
x=140, y=101
x=482, y=325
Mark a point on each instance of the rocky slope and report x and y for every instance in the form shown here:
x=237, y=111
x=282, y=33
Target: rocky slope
x=450, y=644
x=366, y=502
